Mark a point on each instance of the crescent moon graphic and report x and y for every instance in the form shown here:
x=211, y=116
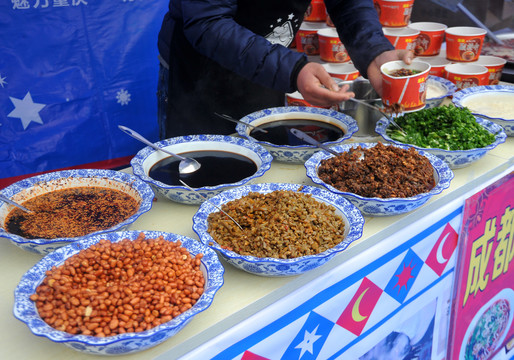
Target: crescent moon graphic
x=355, y=310
x=439, y=254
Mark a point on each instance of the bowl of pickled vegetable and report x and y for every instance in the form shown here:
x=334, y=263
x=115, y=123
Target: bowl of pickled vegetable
x=452, y=134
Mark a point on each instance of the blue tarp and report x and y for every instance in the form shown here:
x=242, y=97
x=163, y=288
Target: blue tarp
x=71, y=71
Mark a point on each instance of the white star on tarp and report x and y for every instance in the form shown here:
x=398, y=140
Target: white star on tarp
x=27, y=110
x=308, y=340
x=2, y=81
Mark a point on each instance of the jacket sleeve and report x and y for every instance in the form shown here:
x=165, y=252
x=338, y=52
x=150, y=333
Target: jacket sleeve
x=210, y=28
x=359, y=29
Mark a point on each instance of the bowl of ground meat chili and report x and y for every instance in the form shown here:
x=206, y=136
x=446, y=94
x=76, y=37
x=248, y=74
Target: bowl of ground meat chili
x=329, y=127
x=379, y=179
x=285, y=229
x=451, y=133
x=226, y=162
x=120, y=292
x=67, y=206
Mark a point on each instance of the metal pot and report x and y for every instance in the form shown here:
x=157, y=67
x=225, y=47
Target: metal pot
x=366, y=118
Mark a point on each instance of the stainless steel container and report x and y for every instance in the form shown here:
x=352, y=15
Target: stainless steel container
x=366, y=118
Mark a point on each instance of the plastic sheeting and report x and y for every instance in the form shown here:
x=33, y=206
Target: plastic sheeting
x=71, y=71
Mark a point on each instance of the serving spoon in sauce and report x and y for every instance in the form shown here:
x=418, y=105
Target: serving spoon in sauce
x=185, y=166
x=230, y=118
x=9, y=201
x=310, y=140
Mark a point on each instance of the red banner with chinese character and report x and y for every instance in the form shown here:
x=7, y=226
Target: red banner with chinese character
x=483, y=303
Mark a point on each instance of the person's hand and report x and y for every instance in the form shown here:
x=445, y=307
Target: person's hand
x=374, y=75
x=319, y=88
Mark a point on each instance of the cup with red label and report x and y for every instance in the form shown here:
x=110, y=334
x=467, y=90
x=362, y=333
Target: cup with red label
x=403, y=85
x=430, y=38
x=495, y=66
x=331, y=49
x=437, y=64
x=402, y=38
x=394, y=13
x=465, y=75
x=464, y=43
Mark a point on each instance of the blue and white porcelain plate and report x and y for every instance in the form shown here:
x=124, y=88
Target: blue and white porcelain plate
x=30, y=187
x=148, y=156
x=25, y=309
x=354, y=223
x=454, y=158
x=494, y=102
x=446, y=87
x=296, y=153
x=379, y=206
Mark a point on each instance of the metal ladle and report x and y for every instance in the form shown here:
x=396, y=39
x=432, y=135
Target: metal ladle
x=185, y=166
x=310, y=140
x=9, y=201
x=390, y=118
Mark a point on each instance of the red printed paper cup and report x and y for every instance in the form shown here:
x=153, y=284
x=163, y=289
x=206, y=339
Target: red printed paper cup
x=402, y=38
x=296, y=99
x=495, y=66
x=430, y=38
x=316, y=11
x=437, y=64
x=466, y=75
x=408, y=91
x=464, y=43
x=331, y=49
x=307, y=38
x=394, y=13
x=345, y=71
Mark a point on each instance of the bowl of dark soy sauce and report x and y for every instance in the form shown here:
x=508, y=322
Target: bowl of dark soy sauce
x=327, y=126
x=226, y=162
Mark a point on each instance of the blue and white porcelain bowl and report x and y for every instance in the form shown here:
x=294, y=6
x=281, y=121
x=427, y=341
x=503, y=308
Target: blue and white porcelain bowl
x=25, y=309
x=29, y=188
x=494, y=102
x=380, y=206
x=296, y=154
x=438, y=89
x=454, y=158
x=273, y=267
x=148, y=157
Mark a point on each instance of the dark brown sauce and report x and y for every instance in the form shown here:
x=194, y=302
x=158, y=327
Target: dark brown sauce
x=217, y=167
x=279, y=131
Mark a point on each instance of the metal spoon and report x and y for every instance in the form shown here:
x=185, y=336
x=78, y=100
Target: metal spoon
x=308, y=139
x=185, y=166
x=9, y=201
x=210, y=202
x=230, y=118
x=390, y=118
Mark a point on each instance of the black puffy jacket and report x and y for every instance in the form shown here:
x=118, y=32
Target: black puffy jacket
x=231, y=56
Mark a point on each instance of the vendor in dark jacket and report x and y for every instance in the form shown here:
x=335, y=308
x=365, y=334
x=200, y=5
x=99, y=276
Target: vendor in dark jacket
x=232, y=57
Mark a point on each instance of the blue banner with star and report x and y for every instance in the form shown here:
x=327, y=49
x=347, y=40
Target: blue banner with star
x=71, y=71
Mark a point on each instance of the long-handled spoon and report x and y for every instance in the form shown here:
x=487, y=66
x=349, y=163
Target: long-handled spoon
x=185, y=166
x=229, y=118
x=9, y=201
x=390, y=118
x=210, y=202
x=310, y=140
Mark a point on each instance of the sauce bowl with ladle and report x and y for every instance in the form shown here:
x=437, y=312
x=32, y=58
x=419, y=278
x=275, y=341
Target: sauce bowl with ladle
x=185, y=166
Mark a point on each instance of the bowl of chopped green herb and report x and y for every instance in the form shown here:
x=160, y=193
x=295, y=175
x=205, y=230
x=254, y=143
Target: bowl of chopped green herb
x=452, y=134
